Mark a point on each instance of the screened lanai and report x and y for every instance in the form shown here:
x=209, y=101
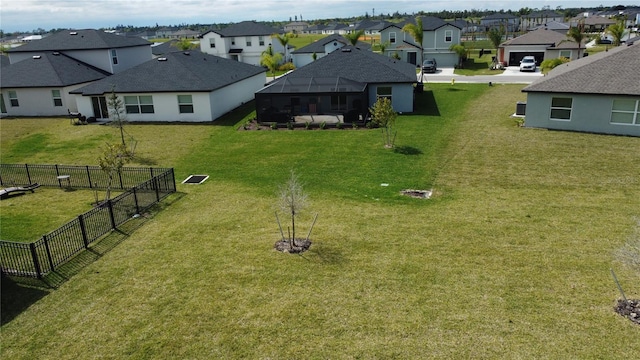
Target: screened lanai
x=295, y=98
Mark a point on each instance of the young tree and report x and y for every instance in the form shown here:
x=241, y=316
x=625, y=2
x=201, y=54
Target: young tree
x=111, y=162
x=383, y=115
x=576, y=33
x=293, y=200
x=383, y=47
x=461, y=51
x=353, y=37
x=270, y=59
x=417, y=33
x=184, y=45
x=495, y=36
x=617, y=32
x=117, y=112
x=629, y=254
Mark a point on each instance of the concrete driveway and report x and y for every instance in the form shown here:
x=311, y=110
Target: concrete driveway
x=511, y=75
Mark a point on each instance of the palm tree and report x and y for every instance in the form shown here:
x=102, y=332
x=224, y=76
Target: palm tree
x=576, y=34
x=616, y=31
x=416, y=31
x=353, y=37
x=283, y=39
x=270, y=60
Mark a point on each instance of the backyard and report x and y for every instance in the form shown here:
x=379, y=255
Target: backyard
x=509, y=259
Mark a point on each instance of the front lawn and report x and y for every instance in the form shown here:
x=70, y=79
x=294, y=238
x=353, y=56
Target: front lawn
x=510, y=259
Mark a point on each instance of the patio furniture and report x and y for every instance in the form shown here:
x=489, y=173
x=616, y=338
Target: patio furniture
x=4, y=193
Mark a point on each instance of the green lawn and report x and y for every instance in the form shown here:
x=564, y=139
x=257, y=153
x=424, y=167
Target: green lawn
x=510, y=259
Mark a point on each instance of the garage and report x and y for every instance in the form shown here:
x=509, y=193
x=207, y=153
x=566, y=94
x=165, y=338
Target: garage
x=515, y=57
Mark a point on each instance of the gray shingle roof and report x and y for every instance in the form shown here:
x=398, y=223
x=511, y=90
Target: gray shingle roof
x=318, y=46
x=541, y=37
x=246, y=28
x=166, y=47
x=358, y=65
x=48, y=70
x=543, y=14
x=82, y=40
x=614, y=73
x=498, y=16
x=4, y=60
x=180, y=72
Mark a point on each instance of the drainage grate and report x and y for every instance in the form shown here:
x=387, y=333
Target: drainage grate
x=195, y=179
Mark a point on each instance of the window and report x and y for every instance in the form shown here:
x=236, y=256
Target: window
x=138, y=104
x=212, y=43
x=338, y=102
x=384, y=91
x=57, y=99
x=13, y=99
x=561, y=108
x=392, y=38
x=248, y=40
x=114, y=57
x=565, y=54
x=261, y=40
x=185, y=104
x=625, y=112
x=448, y=35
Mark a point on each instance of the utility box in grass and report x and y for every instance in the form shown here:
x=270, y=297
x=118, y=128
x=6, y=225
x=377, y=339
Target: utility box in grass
x=521, y=108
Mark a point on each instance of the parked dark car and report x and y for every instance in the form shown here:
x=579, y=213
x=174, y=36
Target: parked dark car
x=429, y=65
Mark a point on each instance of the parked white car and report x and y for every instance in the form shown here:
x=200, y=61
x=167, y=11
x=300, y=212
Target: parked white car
x=528, y=63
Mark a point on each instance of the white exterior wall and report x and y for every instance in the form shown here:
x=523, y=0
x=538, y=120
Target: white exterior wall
x=230, y=97
x=401, y=96
x=39, y=101
x=127, y=57
x=589, y=113
x=249, y=55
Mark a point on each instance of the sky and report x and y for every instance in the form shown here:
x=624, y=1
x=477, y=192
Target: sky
x=28, y=15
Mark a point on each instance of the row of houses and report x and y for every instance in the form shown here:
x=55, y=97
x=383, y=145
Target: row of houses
x=77, y=71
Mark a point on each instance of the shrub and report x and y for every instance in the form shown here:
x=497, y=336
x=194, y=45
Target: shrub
x=274, y=126
x=323, y=125
x=290, y=125
x=339, y=125
x=307, y=125
x=549, y=64
x=286, y=67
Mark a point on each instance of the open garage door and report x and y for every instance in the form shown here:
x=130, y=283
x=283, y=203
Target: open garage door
x=515, y=57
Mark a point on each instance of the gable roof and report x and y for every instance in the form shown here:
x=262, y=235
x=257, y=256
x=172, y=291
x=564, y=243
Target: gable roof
x=81, y=40
x=176, y=72
x=165, y=47
x=48, y=70
x=318, y=46
x=429, y=23
x=537, y=37
x=499, y=16
x=613, y=73
x=246, y=28
x=553, y=25
x=358, y=65
x=543, y=14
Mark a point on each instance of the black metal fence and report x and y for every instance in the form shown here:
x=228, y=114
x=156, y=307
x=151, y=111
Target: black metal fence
x=39, y=258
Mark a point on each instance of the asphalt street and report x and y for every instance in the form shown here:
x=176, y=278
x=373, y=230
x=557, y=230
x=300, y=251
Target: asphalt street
x=511, y=75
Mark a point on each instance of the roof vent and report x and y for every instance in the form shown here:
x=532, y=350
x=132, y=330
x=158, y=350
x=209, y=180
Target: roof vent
x=55, y=53
x=346, y=50
x=73, y=33
x=162, y=59
x=187, y=53
x=36, y=56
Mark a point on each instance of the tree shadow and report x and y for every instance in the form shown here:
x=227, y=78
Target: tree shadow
x=18, y=295
x=425, y=104
x=238, y=115
x=407, y=150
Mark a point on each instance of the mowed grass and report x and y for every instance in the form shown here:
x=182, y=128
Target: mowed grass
x=510, y=259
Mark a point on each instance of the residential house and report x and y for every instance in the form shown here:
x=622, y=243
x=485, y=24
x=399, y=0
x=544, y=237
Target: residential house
x=346, y=82
x=336, y=28
x=559, y=27
x=184, y=34
x=147, y=34
x=438, y=37
x=296, y=27
x=370, y=27
x=537, y=18
x=315, y=29
x=599, y=93
x=542, y=44
x=244, y=41
x=501, y=21
x=42, y=85
x=108, y=52
x=322, y=47
x=180, y=86
x=592, y=24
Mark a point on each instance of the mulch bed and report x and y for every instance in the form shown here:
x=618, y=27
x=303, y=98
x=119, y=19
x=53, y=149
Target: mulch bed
x=299, y=246
x=630, y=309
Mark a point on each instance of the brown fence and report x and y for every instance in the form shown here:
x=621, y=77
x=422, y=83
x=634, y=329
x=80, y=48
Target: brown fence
x=39, y=258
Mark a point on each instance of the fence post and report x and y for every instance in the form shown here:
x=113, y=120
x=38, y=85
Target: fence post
x=120, y=177
x=156, y=186
x=46, y=246
x=135, y=199
x=89, y=177
x=173, y=178
x=36, y=263
x=26, y=167
x=58, y=174
x=83, y=231
x=111, y=217
x=151, y=172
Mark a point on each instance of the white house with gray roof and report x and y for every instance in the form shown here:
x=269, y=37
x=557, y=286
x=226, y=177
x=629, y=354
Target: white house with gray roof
x=244, y=41
x=599, y=93
x=178, y=87
x=320, y=48
x=109, y=52
x=41, y=85
x=542, y=44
